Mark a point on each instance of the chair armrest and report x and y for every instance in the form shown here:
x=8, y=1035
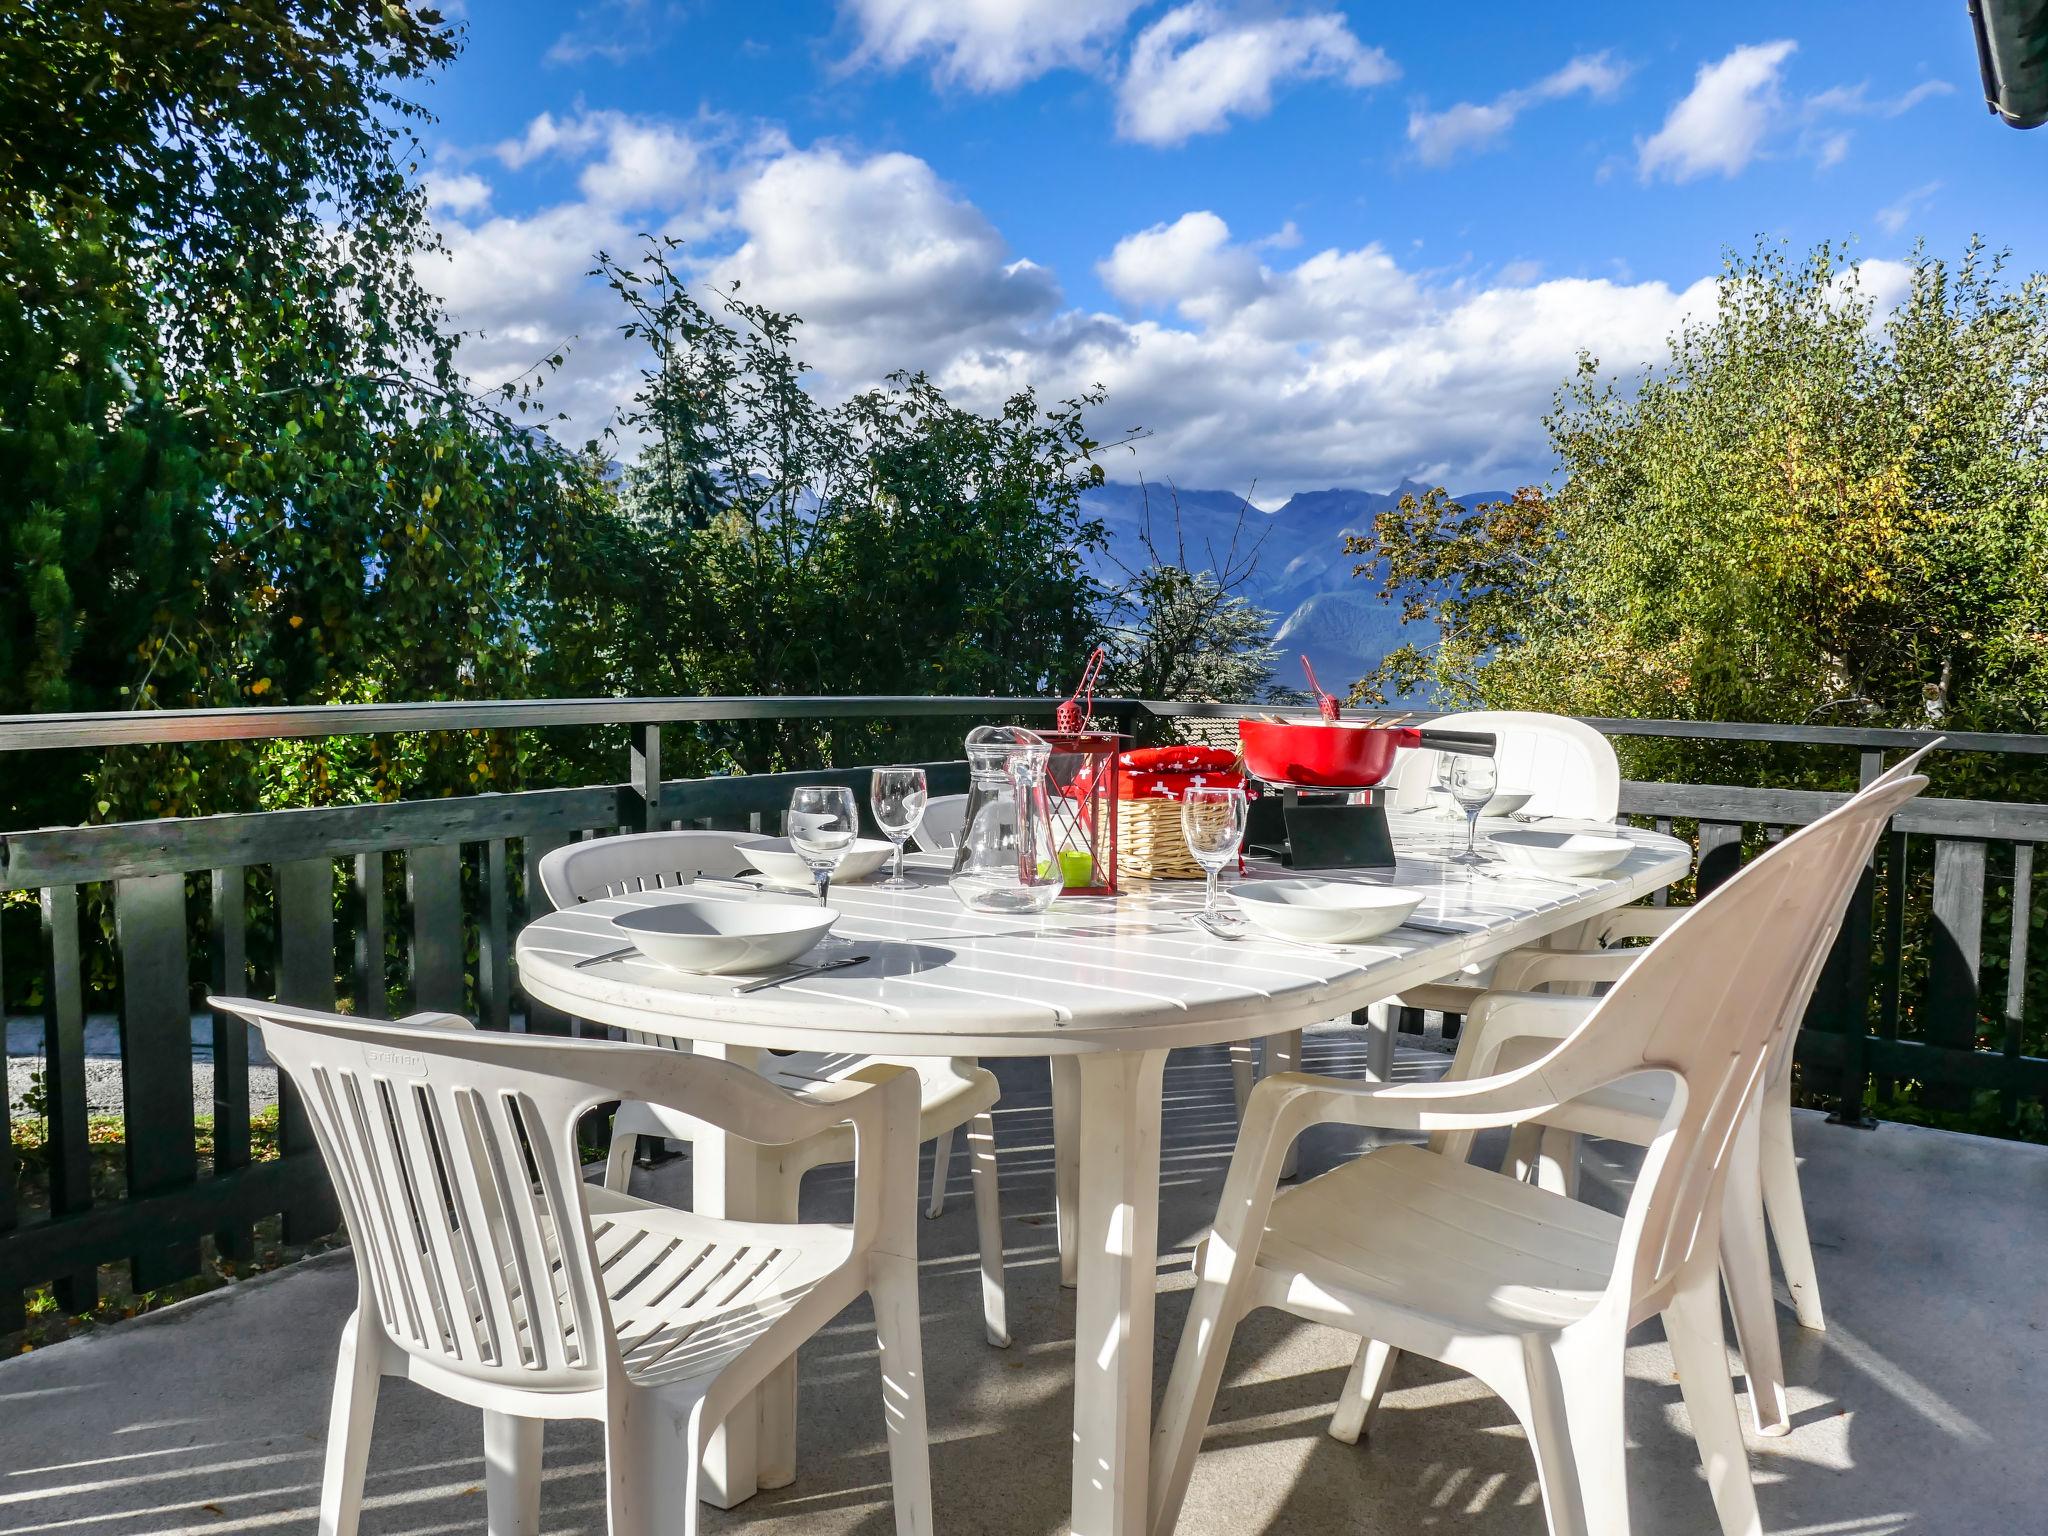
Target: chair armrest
x=1500, y=1016
x=1530, y=970
x=1497, y=1020
x=1283, y=1106
x=434, y=1019
x=674, y=1086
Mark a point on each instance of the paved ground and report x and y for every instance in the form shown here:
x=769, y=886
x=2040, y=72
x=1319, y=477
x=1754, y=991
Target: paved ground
x=1919, y=1411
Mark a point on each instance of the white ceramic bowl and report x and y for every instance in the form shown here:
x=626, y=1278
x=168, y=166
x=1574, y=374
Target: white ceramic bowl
x=783, y=865
x=1561, y=853
x=1323, y=911
x=691, y=933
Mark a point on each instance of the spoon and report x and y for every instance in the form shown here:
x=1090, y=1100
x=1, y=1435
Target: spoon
x=1238, y=932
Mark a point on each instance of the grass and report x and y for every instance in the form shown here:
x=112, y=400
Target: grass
x=47, y=1322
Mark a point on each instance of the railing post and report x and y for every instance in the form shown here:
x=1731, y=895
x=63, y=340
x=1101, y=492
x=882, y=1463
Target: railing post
x=68, y=1141
x=645, y=777
x=1957, y=944
x=1848, y=980
x=230, y=973
x=1848, y=968
x=13, y=1314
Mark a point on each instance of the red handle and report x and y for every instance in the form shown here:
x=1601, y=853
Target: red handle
x=1070, y=716
x=1325, y=702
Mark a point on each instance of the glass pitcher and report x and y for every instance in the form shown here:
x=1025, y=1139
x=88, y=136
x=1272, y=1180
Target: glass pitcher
x=1008, y=859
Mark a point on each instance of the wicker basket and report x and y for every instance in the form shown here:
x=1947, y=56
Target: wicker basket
x=1150, y=844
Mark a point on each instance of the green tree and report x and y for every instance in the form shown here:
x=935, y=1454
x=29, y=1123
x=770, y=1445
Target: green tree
x=1186, y=630
x=1810, y=512
x=894, y=543
x=243, y=465
x=1813, y=511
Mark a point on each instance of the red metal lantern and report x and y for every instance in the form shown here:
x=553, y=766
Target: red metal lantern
x=1082, y=778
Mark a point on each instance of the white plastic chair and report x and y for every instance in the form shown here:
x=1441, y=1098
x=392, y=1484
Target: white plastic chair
x=1533, y=1293
x=1569, y=769
x=945, y=818
x=955, y=1092
x=1763, y=1192
x=488, y=1272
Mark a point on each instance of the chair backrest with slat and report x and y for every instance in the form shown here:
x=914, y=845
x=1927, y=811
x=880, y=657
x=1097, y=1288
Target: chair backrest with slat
x=945, y=817
x=645, y=861
x=1706, y=1003
x=1568, y=768
x=454, y=1155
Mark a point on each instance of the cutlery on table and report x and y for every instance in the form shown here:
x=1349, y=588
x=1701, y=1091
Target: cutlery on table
x=1240, y=930
x=1430, y=925
x=610, y=954
x=800, y=975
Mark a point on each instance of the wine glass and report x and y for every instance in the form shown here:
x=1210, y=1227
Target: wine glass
x=1440, y=798
x=1212, y=820
x=823, y=822
x=1472, y=785
x=898, y=796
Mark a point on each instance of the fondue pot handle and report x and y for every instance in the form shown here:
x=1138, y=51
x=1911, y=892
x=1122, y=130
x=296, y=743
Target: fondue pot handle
x=1468, y=743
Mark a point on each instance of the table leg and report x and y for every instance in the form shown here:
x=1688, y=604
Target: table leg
x=1381, y=1026
x=727, y=1182
x=1117, y=1243
x=1066, y=1159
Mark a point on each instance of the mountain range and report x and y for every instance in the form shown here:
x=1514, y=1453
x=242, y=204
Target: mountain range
x=1298, y=569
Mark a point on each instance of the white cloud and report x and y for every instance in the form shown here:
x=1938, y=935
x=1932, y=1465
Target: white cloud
x=1343, y=369
x=1198, y=66
x=615, y=31
x=1189, y=264
x=1246, y=360
x=1440, y=137
x=645, y=165
x=549, y=135
x=986, y=45
x=1856, y=100
x=1720, y=125
x=1821, y=134
x=887, y=265
x=1894, y=217
x=458, y=192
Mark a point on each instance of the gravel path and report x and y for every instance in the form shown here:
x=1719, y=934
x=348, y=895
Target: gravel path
x=103, y=1065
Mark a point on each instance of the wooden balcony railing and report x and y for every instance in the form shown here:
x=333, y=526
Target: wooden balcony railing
x=391, y=907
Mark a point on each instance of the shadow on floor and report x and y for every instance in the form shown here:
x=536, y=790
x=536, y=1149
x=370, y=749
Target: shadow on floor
x=1916, y=1412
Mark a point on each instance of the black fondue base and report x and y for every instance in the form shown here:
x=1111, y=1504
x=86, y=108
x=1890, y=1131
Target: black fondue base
x=1322, y=828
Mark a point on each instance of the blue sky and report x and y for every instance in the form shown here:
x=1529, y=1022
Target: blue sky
x=1302, y=244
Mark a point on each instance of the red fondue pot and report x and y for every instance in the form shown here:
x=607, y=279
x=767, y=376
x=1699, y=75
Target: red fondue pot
x=1344, y=755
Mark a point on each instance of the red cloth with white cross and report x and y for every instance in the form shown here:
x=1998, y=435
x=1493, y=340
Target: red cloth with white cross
x=1167, y=773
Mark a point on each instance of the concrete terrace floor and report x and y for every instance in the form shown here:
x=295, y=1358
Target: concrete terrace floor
x=1920, y=1410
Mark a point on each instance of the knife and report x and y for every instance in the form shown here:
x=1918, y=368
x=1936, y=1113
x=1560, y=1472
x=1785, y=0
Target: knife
x=1429, y=925
x=807, y=971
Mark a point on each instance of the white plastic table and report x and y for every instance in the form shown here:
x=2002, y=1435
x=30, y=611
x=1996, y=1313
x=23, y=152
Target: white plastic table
x=1105, y=987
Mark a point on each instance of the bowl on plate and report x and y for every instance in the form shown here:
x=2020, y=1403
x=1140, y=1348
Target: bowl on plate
x=1562, y=853
x=783, y=865
x=713, y=937
x=1324, y=911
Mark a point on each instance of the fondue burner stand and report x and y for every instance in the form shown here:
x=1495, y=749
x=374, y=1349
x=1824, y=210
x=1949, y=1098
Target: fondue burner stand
x=1323, y=828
